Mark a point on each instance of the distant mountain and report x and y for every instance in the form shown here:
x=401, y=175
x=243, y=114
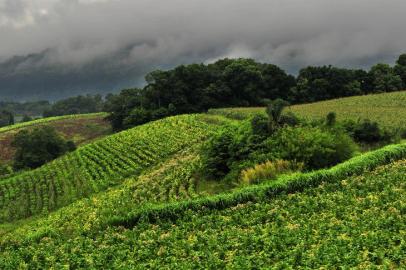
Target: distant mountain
x=37, y=76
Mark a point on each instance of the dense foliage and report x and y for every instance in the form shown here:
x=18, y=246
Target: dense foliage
x=39, y=146
x=75, y=105
x=243, y=82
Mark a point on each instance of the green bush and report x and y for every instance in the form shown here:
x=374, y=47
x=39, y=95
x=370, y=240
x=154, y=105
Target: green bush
x=314, y=147
x=38, y=146
x=367, y=131
x=216, y=153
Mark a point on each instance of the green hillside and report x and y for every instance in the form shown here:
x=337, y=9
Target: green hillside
x=312, y=220
x=138, y=199
x=97, y=166
x=81, y=129
x=388, y=109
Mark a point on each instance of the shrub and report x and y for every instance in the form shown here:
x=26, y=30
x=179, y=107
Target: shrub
x=269, y=170
x=5, y=170
x=289, y=119
x=366, y=131
x=331, y=119
x=259, y=125
x=216, y=155
x=39, y=146
x=314, y=147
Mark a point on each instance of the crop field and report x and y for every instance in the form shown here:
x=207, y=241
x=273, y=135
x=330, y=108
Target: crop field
x=355, y=221
x=388, y=109
x=81, y=129
x=97, y=166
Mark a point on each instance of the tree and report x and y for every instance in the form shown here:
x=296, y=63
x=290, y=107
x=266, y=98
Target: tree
x=6, y=118
x=274, y=112
x=38, y=146
x=400, y=68
x=385, y=78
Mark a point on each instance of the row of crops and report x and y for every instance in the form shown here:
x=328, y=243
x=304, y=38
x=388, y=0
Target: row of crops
x=50, y=119
x=388, y=109
x=355, y=221
x=99, y=165
x=170, y=180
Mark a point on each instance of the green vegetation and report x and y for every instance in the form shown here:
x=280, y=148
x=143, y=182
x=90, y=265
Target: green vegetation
x=50, y=119
x=80, y=129
x=205, y=191
x=97, y=166
x=387, y=109
x=36, y=147
x=75, y=105
x=245, y=83
x=254, y=225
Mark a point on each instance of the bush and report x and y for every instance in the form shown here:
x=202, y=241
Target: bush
x=269, y=170
x=5, y=170
x=289, y=119
x=366, y=131
x=312, y=146
x=216, y=154
x=259, y=125
x=39, y=146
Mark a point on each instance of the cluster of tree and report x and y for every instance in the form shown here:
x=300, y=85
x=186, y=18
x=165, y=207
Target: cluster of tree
x=38, y=146
x=6, y=118
x=274, y=138
x=284, y=139
x=32, y=108
x=75, y=105
x=243, y=82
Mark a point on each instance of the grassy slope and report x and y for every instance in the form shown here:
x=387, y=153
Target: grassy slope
x=79, y=128
x=388, y=109
x=323, y=218
x=99, y=165
x=355, y=221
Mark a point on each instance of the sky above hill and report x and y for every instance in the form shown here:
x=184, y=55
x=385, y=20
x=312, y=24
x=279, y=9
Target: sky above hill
x=55, y=48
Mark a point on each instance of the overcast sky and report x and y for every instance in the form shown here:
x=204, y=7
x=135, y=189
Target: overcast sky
x=290, y=33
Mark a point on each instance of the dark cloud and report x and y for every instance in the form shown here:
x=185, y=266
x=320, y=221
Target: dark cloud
x=136, y=36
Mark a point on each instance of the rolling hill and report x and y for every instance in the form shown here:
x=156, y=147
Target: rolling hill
x=388, y=109
x=131, y=201
x=79, y=128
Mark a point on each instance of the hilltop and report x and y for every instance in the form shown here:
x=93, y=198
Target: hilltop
x=81, y=129
x=388, y=109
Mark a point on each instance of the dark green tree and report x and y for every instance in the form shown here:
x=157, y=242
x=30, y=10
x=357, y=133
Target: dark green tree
x=385, y=79
x=38, y=146
x=400, y=69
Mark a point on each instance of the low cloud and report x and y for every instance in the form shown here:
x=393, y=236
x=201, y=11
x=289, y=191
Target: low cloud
x=147, y=34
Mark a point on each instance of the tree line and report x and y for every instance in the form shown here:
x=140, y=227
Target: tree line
x=244, y=82
x=226, y=83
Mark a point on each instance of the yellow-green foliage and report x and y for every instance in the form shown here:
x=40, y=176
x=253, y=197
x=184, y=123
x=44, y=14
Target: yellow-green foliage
x=388, y=109
x=269, y=170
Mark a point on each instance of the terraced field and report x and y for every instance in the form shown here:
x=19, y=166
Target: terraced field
x=99, y=165
x=388, y=109
x=81, y=129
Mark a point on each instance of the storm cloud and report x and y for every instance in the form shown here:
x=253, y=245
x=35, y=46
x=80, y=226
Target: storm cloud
x=132, y=37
